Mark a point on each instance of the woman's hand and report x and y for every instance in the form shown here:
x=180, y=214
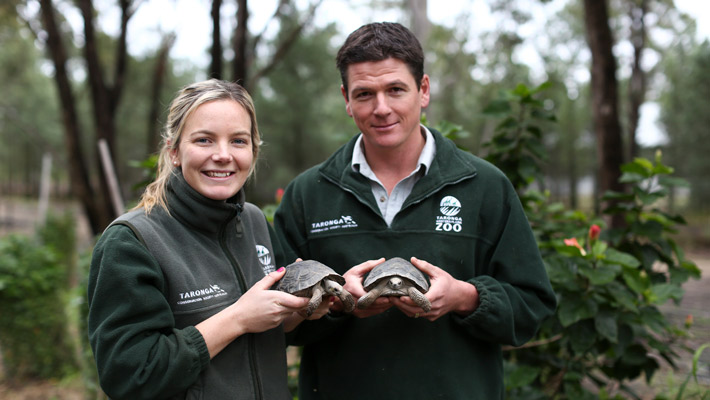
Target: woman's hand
x=258, y=310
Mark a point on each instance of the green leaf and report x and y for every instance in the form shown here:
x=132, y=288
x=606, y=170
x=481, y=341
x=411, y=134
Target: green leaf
x=576, y=309
x=613, y=256
x=600, y=275
x=696, y=357
x=622, y=296
x=636, y=279
x=605, y=324
x=497, y=107
x=661, y=293
x=521, y=376
x=581, y=336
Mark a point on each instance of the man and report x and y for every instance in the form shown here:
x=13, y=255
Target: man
x=400, y=189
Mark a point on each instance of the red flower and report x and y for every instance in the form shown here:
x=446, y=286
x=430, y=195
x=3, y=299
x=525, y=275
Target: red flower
x=575, y=243
x=594, y=231
x=688, y=321
x=279, y=195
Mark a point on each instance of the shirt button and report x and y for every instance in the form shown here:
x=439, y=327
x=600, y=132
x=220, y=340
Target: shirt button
x=382, y=199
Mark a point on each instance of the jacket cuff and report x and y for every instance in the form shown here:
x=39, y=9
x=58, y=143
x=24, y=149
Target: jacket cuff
x=484, y=304
x=194, y=339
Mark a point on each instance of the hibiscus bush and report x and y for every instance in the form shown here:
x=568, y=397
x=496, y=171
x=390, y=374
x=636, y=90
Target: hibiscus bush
x=608, y=328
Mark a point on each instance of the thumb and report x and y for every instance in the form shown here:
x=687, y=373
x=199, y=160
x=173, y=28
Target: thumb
x=367, y=266
x=269, y=280
x=424, y=266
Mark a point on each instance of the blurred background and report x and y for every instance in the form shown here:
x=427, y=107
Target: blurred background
x=85, y=85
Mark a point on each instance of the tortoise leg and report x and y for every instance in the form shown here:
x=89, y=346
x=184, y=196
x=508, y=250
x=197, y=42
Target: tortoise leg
x=348, y=300
x=316, y=299
x=367, y=300
x=419, y=298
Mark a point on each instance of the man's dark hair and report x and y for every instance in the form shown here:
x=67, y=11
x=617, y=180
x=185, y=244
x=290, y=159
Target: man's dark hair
x=377, y=42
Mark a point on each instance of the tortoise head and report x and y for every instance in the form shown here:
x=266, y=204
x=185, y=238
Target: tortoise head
x=395, y=283
x=332, y=287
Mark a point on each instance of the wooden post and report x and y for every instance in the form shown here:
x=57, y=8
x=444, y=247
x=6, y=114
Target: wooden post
x=111, y=178
x=44, y=186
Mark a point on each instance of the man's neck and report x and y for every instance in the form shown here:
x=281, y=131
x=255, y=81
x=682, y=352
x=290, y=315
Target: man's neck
x=391, y=165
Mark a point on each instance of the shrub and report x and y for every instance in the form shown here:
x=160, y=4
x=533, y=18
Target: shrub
x=609, y=282
x=33, y=334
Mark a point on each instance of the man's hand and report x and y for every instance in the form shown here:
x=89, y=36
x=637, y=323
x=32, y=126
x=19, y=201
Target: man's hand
x=353, y=284
x=446, y=294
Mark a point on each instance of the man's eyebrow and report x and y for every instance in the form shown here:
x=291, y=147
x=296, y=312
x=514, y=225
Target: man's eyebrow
x=396, y=82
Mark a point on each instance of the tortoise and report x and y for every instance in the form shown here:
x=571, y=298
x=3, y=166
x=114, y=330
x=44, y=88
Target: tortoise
x=315, y=280
x=395, y=277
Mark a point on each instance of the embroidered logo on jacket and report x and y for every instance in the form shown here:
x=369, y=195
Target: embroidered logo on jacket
x=265, y=259
x=450, y=206
x=193, y=296
x=345, y=221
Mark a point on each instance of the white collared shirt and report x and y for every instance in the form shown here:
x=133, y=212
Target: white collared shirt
x=392, y=204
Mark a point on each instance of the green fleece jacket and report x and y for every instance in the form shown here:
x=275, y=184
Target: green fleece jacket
x=464, y=217
x=154, y=277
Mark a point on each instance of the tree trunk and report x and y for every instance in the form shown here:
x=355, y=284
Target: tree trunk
x=155, y=107
x=78, y=175
x=105, y=98
x=216, y=50
x=241, y=35
x=420, y=21
x=637, y=84
x=604, y=100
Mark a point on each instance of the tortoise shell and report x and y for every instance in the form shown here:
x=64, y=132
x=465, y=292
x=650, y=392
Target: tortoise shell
x=302, y=275
x=396, y=267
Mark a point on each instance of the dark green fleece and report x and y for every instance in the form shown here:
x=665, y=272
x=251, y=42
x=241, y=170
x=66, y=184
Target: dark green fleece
x=464, y=217
x=154, y=277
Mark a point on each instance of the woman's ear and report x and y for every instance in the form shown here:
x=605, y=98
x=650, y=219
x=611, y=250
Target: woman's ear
x=173, y=152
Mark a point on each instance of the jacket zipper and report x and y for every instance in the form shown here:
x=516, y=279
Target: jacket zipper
x=243, y=285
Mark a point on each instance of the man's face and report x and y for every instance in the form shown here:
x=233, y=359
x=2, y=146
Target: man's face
x=385, y=103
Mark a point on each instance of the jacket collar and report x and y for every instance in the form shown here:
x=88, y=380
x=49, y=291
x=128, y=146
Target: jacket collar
x=196, y=210
x=449, y=166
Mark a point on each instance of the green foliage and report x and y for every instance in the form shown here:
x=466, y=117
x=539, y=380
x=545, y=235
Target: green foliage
x=33, y=330
x=694, y=374
x=300, y=110
x=608, y=326
x=517, y=147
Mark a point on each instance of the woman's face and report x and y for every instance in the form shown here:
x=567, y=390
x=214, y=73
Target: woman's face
x=215, y=149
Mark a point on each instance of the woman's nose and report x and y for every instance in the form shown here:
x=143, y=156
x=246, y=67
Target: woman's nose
x=222, y=154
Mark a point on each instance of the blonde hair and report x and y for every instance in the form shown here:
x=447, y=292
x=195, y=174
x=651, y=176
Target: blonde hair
x=188, y=99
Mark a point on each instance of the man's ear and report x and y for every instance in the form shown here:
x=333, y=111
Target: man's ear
x=425, y=91
x=347, y=101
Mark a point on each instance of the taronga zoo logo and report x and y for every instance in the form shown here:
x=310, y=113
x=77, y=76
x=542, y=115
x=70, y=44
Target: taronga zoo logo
x=450, y=206
x=345, y=221
x=265, y=259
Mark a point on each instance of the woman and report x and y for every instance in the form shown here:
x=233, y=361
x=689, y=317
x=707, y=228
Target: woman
x=179, y=299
